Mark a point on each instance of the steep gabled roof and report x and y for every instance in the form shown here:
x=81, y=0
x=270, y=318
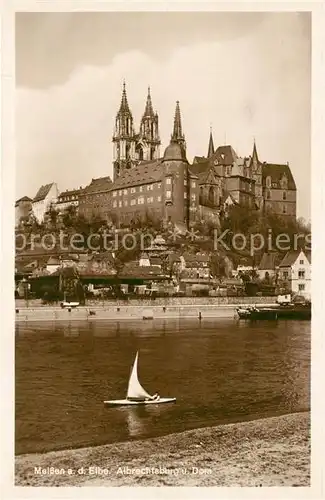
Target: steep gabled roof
x=199, y=159
x=291, y=257
x=276, y=172
x=43, y=192
x=99, y=185
x=144, y=173
x=225, y=155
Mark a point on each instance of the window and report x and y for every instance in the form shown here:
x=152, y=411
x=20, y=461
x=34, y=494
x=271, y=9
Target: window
x=193, y=197
x=133, y=190
x=268, y=194
x=193, y=184
x=125, y=191
x=150, y=200
x=159, y=185
x=301, y=287
x=185, y=195
x=284, y=210
x=120, y=192
x=141, y=200
x=119, y=203
x=114, y=193
x=301, y=262
x=168, y=180
x=140, y=189
x=301, y=274
x=185, y=181
x=133, y=202
x=285, y=275
x=126, y=203
x=168, y=195
x=158, y=198
x=114, y=204
x=149, y=187
x=284, y=195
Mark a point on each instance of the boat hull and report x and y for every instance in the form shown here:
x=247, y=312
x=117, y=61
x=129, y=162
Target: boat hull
x=276, y=313
x=127, y=402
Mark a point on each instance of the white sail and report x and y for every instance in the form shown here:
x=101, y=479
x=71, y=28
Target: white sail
x=135, y=389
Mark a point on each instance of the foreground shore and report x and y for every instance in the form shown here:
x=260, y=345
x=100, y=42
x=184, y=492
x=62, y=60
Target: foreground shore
x=267, y=452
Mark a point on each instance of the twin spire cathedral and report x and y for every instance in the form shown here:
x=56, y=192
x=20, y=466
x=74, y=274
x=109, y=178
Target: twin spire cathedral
x=130, y=147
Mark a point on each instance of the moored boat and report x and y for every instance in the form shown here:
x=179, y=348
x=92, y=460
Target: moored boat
x=285, y=311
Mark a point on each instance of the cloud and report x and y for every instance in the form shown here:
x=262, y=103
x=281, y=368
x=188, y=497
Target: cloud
x=257, y=86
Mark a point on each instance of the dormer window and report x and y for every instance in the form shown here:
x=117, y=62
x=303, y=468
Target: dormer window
x=268, y=181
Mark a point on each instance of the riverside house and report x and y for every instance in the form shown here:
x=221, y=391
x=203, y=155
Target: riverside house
x=295, y=269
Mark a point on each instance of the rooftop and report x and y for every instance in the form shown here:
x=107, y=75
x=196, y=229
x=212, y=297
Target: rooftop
x=43, y=192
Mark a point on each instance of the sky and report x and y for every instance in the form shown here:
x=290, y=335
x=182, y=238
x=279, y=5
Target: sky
x=247, y=75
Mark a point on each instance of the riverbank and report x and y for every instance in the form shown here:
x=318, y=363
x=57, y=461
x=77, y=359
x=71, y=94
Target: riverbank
x=267, y=452
x=162, y=308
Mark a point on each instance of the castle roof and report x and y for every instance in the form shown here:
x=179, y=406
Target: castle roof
x=144, y=173
x=98, y=185
x=43, y=192
x=277, y=172
x=225, y=155
x=24, y=198
x=69, y=193
x=174, y=151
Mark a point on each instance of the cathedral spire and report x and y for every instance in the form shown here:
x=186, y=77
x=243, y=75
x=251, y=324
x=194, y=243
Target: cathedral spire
x=149, y=109
x=177, y=135
x=255, y=155
x=124, y=106
x=211, y=145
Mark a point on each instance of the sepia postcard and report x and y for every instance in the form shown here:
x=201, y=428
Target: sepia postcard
x=163, y=310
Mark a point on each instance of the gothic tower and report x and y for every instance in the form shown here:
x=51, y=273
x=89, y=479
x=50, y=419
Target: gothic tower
x=256, y=167
x=149, y=140
x=176, y=173
x=177, y=135
x=124, y=139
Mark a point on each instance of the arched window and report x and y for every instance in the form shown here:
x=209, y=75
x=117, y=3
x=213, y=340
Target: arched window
x=201, y=196
x=211, y=197
x=140, y=153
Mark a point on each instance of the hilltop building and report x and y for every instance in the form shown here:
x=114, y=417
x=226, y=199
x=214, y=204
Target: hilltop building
x=23, y=208
x=45, y=197
x=95, y=199
x=67, y=199
x=172, y=189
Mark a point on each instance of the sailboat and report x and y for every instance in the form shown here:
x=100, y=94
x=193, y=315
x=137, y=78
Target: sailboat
x=136, y=394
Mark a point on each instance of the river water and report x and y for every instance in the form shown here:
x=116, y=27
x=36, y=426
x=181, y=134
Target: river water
x=219, y=370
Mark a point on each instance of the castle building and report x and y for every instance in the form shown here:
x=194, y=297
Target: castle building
x=95, y=199
x=67, y=199
x=224, y=177
x=173, y=190
x=162, y=187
